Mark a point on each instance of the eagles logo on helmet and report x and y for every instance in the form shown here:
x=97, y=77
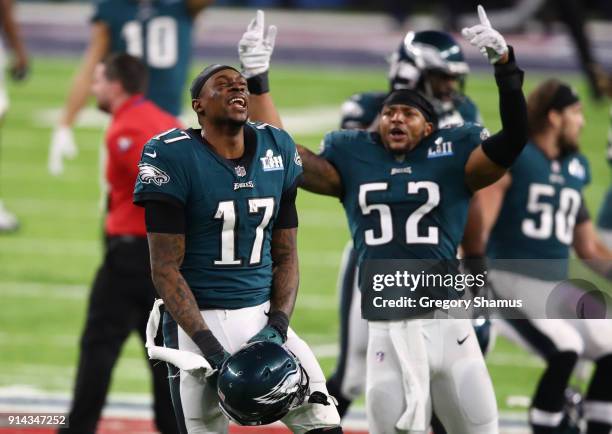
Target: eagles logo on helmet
x=261, y=383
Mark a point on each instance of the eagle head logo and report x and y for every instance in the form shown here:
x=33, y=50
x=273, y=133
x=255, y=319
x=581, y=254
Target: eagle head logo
x=150, y=174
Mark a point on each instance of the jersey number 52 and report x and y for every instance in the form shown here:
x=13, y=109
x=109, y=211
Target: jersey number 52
x=412, y=223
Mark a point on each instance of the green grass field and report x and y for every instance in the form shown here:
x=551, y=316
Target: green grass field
x=46, y=268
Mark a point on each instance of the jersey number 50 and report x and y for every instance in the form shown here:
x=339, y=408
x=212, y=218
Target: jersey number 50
x=412, y=223
x=563, y=219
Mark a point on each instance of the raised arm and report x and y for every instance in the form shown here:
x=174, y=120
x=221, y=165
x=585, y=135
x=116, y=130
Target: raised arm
x=489, y=161
x=320, y=176
x=255, y=49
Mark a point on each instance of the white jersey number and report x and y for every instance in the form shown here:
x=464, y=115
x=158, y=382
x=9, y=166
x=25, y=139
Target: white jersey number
x=226, y=211
x=412, y=223
x=161, y=39
x=562, y=220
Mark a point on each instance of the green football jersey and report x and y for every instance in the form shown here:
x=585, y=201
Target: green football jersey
x=230, y=210
x=415, y=208
x=159, y=32
x=538, y=214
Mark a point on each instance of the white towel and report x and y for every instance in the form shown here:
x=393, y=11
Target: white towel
x=187, y=361
x=409, y=344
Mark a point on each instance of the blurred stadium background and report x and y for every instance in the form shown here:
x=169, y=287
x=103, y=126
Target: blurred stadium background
x=326, y=51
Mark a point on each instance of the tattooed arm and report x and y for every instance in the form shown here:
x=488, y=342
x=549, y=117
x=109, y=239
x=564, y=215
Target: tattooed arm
x=285, y=279
x=167, y=251
x=320, y=176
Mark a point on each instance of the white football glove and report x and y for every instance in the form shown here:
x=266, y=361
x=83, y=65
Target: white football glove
x=484, y=37
x=62, y=146
x=255, y=49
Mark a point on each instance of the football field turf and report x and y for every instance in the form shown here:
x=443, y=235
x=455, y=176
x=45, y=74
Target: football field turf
x=46, y=268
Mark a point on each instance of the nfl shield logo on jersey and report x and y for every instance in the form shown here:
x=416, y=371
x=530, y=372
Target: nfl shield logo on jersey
x=380, y=356
x=240, y=171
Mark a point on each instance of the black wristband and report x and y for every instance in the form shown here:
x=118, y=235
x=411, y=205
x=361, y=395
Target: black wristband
x=280, y=321
x=508, y=75
x=259, y=84
x=207, y=343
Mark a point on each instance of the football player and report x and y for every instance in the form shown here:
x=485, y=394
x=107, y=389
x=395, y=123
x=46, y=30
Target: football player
x=433, y=63
x=405, y=189
x=158, y=31
x=222, y=227
x=537, y=211
x=19, y=71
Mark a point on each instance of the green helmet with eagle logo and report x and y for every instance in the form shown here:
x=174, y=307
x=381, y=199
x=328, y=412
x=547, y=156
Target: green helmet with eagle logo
x=260, y=383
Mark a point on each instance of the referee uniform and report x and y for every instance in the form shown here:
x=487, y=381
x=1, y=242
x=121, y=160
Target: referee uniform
x=122, y=292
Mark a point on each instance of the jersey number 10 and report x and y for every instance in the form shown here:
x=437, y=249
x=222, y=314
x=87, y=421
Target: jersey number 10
x=160, y=36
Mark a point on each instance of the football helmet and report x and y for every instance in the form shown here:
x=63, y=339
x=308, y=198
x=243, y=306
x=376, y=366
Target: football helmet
x=260, y=383
x=425, y=52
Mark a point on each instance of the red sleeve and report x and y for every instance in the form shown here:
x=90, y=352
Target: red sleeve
x=125, y=148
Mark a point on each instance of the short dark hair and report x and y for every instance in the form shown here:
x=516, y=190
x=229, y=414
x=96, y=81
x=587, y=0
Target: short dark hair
x=130, y=71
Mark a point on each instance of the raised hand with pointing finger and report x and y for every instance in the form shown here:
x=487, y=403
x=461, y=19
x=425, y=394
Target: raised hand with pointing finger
x=256, y=46
x=488, y=40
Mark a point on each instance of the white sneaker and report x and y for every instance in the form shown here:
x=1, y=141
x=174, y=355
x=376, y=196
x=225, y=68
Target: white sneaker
x=8, y=221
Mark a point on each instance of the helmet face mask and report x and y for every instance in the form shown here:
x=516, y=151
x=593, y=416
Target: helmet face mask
x=261, y=383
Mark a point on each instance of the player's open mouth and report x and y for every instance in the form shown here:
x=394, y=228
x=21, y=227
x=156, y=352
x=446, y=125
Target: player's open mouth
x=397, y=133
x=238, y=101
